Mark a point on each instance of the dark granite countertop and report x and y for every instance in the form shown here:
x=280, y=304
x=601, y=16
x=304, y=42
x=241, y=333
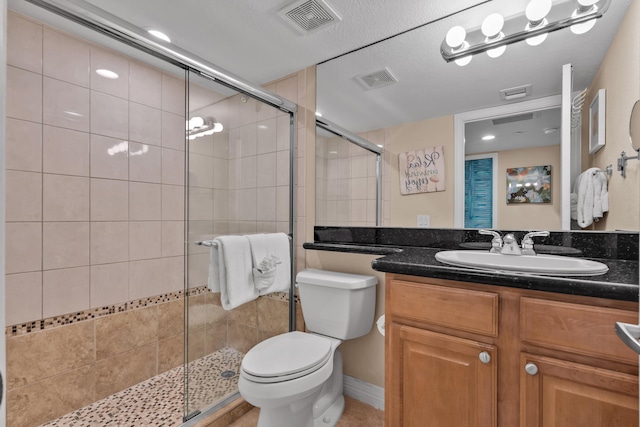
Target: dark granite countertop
x=618, y=250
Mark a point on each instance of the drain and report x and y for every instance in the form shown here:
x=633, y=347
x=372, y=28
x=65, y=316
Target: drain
x=228, y=374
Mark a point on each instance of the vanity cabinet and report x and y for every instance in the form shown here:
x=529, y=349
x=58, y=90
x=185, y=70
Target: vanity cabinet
x=462, y=354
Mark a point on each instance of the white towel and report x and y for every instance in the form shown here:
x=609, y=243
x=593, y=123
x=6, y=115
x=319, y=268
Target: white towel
x=263, y=247
x=230, y=271
x=593, y=198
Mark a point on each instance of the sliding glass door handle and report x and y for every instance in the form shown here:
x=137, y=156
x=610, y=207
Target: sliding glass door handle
x=629, y=334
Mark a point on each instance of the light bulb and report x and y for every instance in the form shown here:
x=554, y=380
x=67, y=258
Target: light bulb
x=217, y=127
x=492, y=25
x=463, y=61
x=107, y=73
x=586, y=7
x=455, y=37
x=196, y=122
x=496, y=52
x=537, y=10
x=587, y=3
x=537, y=40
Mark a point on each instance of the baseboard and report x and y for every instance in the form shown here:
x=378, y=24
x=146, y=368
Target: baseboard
x=364, y=391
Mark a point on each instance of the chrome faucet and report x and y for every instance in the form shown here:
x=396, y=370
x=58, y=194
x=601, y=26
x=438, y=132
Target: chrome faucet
x=527, y=241
x=508, y=245
x=496, y=242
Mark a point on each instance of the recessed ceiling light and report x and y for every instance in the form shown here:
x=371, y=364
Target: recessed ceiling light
x=548, y=131
x=107, y=73
x=160, y=35
x=318, y=114
x=488, y=137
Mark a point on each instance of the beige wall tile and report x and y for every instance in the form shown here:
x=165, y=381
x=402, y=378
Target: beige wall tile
x=221, y=145
x=267, y=170
x=109, y=200
x=282, y=203
x=220, y=205
x=109, y=115
x=145, y=162
x=170, y=353
x=173, y=274
x=172, y=202
x=242, y=337
x=65, y=291
x=173, y=94
x=65, y=151
x=145, y=278
x=124, y=370
x=201, y=172
x=145, y=85
x=24, y=145
x=172, y=167
x=23, y=196
x=200, y=204
x=145, y=201
x=201, y=145
x=283, y=167
x=282, y=132
x=273, y=315
x=109, y=242
x=65, y=198
x=101, y=59
x=171, y=319
x=145, y=124
x=247, y=314
x=24, y=95
x=65, y=58
x=266, y=204
x=121, y=332
x=248, y=111
x=267, y=141
x=145, y=240
x=172, y=238
x=65, y=244
x=39, y=355
x=23, y=298
x=109, y=157
x=215, y=337
x=173, y=131
x=51, y=398
x=195, y=344
x=24, y=43
x=23, y=243
x=109, y=284
x=65, y=105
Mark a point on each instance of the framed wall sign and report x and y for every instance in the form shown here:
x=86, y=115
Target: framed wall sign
x=597, y=116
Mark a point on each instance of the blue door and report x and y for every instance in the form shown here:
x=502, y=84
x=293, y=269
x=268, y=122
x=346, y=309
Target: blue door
x=478, y=193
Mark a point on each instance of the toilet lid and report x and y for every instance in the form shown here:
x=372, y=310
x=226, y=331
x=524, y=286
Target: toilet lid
x=286, y=357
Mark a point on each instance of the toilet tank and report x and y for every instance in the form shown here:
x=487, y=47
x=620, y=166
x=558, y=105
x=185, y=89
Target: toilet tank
x=339, y=305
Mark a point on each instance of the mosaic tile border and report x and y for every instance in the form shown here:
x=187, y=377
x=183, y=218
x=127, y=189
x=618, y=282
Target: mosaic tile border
x=80, y=316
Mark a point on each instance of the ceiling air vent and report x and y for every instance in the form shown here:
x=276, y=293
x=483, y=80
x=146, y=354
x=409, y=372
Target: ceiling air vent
x=515, y=92
x=309, y=16
x=376, y=79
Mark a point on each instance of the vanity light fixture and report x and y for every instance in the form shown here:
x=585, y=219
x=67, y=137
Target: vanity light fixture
x=198, y=127
x=535, y=25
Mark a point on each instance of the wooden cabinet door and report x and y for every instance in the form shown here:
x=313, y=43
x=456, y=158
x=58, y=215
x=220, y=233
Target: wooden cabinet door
x=566, y=394
x=436, y=380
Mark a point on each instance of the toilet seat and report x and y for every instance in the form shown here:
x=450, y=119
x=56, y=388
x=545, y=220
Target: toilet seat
x=286, y=357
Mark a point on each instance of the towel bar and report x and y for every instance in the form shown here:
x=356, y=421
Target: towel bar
x=211, y=243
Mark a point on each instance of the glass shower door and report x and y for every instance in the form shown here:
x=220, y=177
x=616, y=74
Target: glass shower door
x=238, y=182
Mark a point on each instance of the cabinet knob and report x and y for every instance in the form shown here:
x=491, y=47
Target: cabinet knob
x=531, y=368
x=484, y=357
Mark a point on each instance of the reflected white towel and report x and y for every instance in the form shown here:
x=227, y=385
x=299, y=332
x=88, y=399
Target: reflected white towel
x=264, y=246
x=231, y=271
x=593, y=198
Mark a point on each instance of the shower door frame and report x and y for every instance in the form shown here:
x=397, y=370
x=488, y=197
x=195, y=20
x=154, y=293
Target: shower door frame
x=97, y=19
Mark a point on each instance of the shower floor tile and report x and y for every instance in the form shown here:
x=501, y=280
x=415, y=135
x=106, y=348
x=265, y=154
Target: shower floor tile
x=159, y=401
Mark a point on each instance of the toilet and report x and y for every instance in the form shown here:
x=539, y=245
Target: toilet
x=296, y=378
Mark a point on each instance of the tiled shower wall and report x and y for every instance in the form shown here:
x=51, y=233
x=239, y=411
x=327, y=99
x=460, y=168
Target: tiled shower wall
x=346, y=181
x=95, y=225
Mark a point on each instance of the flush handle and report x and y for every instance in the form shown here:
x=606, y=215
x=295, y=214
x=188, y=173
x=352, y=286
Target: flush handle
x=484, y=357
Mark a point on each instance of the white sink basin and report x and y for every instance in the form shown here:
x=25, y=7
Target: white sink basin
x=549, y=265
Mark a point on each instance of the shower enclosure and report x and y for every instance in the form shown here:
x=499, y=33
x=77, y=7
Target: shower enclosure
x=122, y=153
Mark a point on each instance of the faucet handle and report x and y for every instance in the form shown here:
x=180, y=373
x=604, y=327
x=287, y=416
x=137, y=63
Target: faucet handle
x=496, y=242
x=527, y=241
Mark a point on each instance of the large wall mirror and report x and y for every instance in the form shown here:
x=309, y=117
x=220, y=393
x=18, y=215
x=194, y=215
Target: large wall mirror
x=401, y=94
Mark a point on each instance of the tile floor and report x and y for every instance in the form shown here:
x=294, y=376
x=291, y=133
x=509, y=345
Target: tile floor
x=159, y=401
x=356, y=414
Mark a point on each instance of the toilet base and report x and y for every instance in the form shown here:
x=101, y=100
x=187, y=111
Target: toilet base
x=332, y=415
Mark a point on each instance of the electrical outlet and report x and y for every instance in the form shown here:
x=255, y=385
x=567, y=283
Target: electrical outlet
x=424, y=221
